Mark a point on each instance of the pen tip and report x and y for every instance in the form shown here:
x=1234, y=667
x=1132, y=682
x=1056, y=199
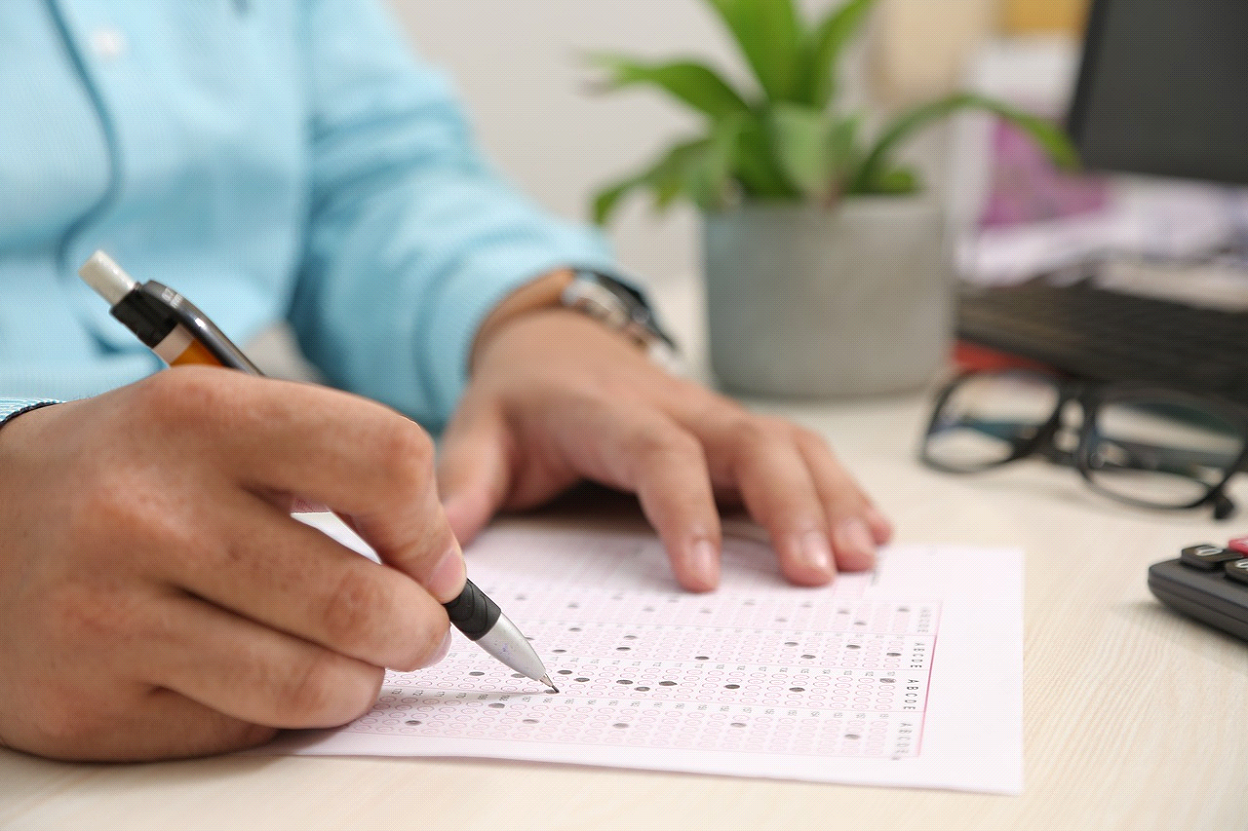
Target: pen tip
x=545, y=679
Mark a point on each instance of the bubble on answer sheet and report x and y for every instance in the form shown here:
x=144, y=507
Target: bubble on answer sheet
x=771, y=677
x=695, y=676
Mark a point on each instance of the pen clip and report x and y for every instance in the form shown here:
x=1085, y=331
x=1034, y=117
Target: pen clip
x=201, y=328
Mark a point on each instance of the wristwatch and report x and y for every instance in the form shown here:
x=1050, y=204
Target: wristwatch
x=623, y=308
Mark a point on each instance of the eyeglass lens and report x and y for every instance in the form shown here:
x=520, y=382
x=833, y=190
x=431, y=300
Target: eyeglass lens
x=987, y=418
x=1160, y=452
x=1151, y=449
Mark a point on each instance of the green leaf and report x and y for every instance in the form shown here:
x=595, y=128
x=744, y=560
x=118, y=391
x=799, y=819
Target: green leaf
x=896, y=181
x=708, y=172
x=770, y=36
x=799, y=136
x=694, y=84
x=816, y=151
x=843, y=143
x=698, y=170
x=662, y=177
x=755, y=164
x=1050, y=137
x=606, y=200
x=817, y=84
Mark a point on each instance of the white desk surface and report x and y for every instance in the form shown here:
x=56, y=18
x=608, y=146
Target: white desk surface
x=1134, y=716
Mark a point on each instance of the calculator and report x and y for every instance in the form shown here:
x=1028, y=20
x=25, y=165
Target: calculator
x=1208, y=582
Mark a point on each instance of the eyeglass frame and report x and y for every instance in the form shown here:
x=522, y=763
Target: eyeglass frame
x=1091, y=396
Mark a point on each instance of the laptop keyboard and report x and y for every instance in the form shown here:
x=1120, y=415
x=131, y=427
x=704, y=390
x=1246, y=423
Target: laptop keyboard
x=1111, y=336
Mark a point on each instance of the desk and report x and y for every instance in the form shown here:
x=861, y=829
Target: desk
x=1134, y=716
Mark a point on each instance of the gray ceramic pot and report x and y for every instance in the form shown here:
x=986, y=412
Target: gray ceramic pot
x=803, y=302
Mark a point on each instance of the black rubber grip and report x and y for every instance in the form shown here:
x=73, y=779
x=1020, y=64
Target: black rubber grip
x=472, y=612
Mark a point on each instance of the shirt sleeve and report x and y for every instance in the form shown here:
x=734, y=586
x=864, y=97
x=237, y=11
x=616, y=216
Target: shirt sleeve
x=13, y=407
x=412, y=237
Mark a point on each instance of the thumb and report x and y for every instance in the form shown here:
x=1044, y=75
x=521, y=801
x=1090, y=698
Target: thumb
x=474, y=474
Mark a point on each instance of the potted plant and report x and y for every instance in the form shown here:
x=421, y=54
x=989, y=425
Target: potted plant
x=826, y=268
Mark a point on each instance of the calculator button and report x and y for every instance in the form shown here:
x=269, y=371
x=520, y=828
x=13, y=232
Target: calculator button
x=1239, y=544
x=1208, y=557
x=1238, y=570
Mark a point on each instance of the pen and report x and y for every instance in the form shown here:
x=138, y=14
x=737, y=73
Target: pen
x=180, y=334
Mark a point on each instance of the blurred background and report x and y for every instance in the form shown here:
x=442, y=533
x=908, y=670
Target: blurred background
x=521, y=69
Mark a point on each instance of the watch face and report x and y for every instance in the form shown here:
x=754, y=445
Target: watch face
x=617, y=305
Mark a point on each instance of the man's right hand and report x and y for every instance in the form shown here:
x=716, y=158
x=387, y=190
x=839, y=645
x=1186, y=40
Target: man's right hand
x=157, y=599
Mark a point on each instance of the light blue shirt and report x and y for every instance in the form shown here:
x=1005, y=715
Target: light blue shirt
x=270, y=159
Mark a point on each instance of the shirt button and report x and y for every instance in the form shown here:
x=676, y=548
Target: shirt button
x=108, y=43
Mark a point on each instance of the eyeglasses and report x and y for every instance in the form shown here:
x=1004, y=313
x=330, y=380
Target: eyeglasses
x=1146, y=447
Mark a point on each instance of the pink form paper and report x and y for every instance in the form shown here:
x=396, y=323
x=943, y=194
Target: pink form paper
x=910, y=675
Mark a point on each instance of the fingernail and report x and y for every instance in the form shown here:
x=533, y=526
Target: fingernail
x=816, y=552
x=875, y=519
x=853, y=537
x=704, y=562
x=443, y=650
x=446, y=580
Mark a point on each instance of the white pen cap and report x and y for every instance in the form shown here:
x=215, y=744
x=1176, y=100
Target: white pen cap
x=106, y=277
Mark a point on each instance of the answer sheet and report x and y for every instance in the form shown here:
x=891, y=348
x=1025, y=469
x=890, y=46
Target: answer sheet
x=909, y=675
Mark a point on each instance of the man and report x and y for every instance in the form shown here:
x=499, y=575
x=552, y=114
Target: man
x=290, y=160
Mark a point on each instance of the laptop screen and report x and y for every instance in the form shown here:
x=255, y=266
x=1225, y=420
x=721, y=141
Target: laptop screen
x=1163, y=89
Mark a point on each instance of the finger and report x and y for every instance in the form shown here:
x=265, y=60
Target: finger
x=779, y=493
x=274, y=570
x=251, y=673
x=360, y=458
x=473, y=471
x=856, y=526
x=166, y=725
x=667, y=470
x=642, y=451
